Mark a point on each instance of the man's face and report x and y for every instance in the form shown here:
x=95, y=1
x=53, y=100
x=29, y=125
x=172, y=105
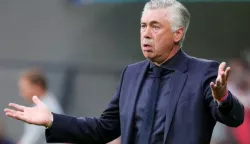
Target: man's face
x=26, y=88
x=157, y=39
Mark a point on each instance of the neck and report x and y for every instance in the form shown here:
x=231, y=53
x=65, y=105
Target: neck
x=170, y=55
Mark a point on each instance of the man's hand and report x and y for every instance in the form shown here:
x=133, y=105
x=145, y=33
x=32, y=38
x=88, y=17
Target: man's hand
x=38, y=115
x=219, y=88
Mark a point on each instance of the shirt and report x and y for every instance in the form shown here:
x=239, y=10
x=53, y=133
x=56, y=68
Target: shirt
x=169, y=67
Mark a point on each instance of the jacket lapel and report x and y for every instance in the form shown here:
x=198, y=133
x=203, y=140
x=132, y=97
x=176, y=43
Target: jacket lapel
x=178, y=80
x=134, y=92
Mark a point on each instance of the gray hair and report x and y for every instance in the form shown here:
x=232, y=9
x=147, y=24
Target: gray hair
x=178, y=14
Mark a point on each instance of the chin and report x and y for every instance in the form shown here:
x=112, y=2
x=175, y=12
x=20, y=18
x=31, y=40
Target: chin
x=149, y=55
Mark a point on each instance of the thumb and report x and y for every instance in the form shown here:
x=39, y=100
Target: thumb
x=36, y=100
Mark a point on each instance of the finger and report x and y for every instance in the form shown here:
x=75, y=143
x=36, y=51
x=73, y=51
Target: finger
x=36, y=100
x=223, y=78
x=212, y=85
x=17, y=106
x=221, y=67
x=218, y=81
x=14, y=112
x=9, y=110
x=16, y=115
x=227, y=72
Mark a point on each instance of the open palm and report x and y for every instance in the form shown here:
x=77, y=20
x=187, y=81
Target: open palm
x=219, y=88
x=38, y=115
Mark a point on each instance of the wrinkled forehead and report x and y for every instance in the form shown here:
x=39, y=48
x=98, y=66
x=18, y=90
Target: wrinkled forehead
x=154, y=15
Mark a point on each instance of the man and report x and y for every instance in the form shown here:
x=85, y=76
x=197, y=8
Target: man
x=168, y=98
x=33, y=82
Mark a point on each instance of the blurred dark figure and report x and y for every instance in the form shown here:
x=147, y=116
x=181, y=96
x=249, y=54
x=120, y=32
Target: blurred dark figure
x=239, y=84
x=3, y=139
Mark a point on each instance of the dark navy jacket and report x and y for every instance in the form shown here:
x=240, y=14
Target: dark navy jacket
x=191, y=111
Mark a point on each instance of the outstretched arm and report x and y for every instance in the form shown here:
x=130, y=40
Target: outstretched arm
x=224, y=107
x=85, y=129
x=63, y=128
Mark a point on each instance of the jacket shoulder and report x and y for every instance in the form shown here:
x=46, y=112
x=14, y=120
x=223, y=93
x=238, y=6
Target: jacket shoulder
x=137, y=64
x=201, y=63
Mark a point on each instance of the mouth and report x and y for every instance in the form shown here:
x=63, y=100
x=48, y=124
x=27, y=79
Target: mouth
x=147, y=47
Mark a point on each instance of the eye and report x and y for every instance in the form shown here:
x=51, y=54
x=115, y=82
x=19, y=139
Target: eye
x=156, y=27
x=143, y=25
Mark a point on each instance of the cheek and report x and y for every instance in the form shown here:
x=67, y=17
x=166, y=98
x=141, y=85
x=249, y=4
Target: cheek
x=164, y=42
x=25, y=91
x=141, y=38
x=159, y=43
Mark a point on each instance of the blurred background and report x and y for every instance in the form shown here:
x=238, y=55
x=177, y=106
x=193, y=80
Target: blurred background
x=82, y=45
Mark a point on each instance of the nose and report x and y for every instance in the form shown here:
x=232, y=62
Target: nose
x=147, y=33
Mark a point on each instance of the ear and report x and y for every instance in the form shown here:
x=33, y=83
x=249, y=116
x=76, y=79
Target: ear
x=178, y=35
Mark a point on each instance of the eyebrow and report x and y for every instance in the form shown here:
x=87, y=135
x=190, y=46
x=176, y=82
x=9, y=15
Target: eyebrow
x=151, y=22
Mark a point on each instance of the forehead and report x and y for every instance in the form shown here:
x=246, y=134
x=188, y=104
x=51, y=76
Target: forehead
x=24, y=80
x=155, y=15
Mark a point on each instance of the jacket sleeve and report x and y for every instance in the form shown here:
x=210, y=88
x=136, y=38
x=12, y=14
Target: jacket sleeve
x=85, y=129
x=229, y=112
